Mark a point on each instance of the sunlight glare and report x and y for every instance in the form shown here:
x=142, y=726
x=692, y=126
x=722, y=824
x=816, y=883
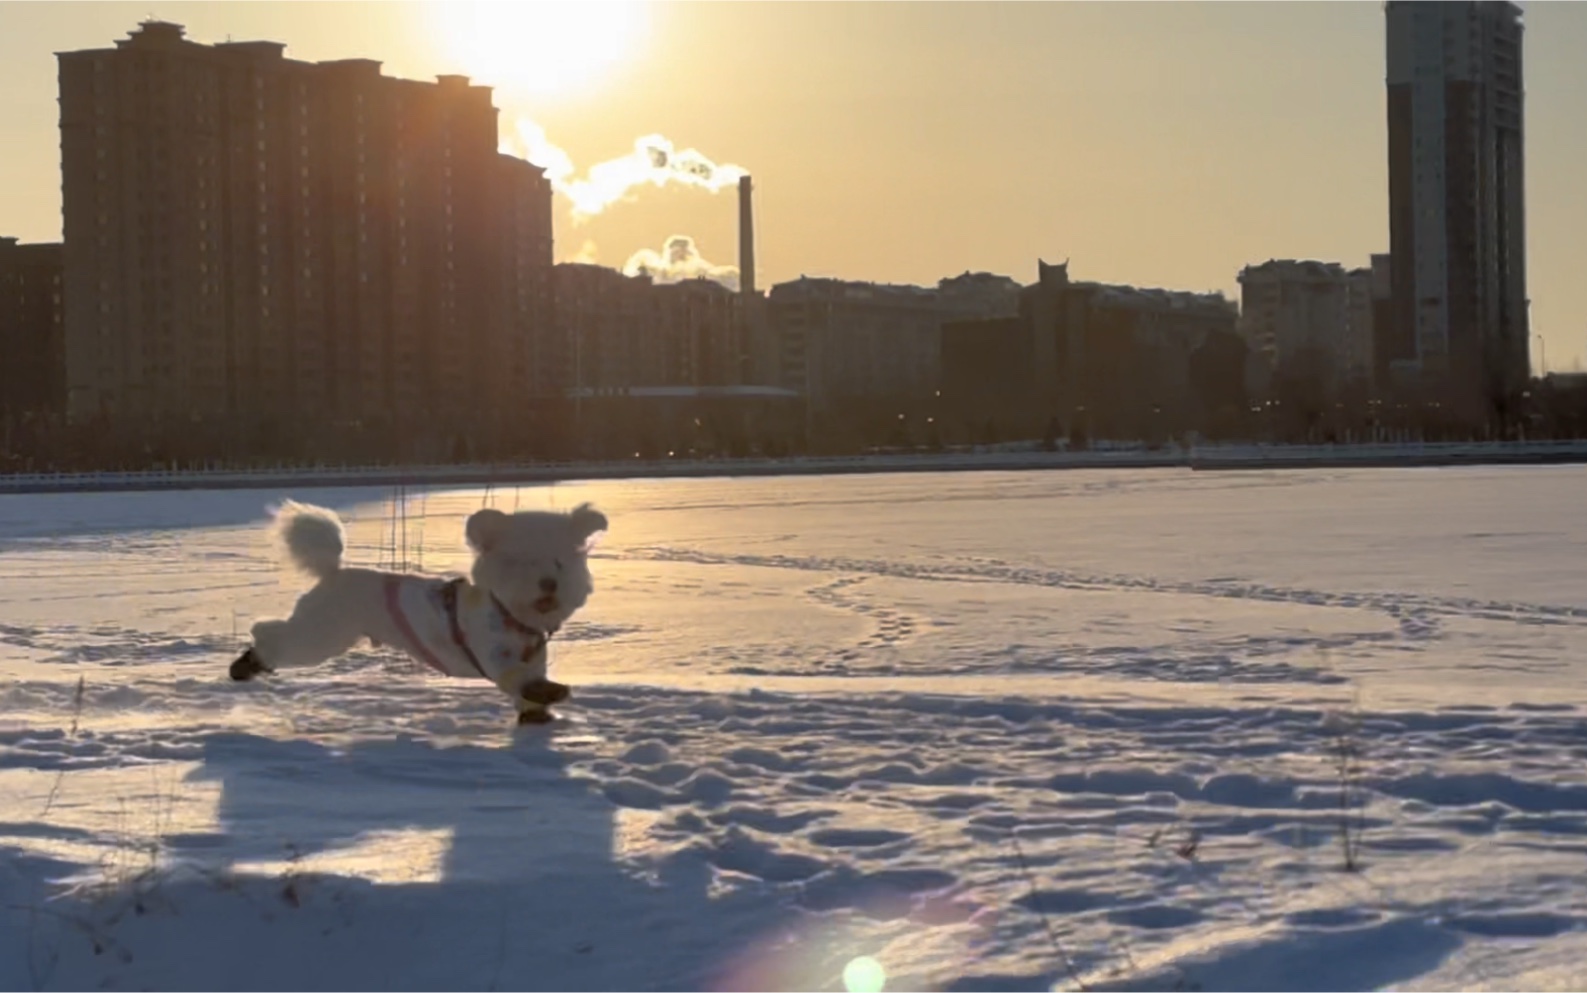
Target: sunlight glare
x=536, y=48
x=864, y=975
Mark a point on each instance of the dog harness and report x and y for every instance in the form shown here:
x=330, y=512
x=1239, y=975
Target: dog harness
x=449, y=592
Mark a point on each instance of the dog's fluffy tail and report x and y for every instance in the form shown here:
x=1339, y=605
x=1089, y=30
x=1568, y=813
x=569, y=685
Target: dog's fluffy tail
x=312, y=536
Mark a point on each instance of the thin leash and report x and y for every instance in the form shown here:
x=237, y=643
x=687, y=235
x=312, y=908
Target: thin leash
x=424, y=513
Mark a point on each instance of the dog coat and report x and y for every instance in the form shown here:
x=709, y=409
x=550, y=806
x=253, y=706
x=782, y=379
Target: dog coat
x=459, y=630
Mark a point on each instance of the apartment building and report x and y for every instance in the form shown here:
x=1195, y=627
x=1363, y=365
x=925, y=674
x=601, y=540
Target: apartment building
x=252, y=238
x=32, y=331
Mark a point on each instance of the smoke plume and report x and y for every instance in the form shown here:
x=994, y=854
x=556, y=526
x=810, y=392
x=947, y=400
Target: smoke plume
x=654, y=160
x=679, y=260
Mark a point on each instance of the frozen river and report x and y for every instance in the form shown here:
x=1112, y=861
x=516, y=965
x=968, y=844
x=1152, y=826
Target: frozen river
x=818, y=722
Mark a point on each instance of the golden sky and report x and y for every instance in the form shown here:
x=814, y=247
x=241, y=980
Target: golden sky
x=1163, y=144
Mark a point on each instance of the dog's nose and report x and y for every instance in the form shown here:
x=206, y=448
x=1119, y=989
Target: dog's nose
x=548, y=585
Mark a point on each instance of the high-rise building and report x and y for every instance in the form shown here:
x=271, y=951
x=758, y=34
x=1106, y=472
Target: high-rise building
x=629, y=331
x=857, y=343
x=1383, y=313
x=254, y=240
x=1457, y=229
x=1305, y=318
x=1354, y=356
x=846, y=343
x=540, y=353
x=32, y=336
x=1088, y=359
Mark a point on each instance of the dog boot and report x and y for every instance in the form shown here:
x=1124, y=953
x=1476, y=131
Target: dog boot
x=247, y=666
x=545, y=692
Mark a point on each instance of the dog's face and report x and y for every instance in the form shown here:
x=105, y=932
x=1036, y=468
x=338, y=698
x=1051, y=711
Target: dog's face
x=535, y=562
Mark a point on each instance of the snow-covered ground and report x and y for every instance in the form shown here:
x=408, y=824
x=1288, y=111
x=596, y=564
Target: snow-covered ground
x=957, y=731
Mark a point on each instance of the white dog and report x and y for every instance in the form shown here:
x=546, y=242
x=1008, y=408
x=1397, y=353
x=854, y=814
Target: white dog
x=531, y=573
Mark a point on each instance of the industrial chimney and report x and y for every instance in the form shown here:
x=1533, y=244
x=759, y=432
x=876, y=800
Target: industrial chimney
x=746, y=237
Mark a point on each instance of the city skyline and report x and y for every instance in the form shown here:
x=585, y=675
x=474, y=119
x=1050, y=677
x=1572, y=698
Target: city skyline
x=1317, y=188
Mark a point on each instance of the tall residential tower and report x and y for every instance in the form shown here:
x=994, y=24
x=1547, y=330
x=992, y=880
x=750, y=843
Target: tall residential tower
x=1457, y=231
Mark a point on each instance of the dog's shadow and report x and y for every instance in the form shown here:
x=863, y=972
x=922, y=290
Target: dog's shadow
x=500, y=807
x=472, y=867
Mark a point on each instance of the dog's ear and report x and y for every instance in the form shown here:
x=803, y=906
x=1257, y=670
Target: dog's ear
x=586, y=522
x=485, y=528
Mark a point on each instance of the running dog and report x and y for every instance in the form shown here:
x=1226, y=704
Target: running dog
x=530, y=574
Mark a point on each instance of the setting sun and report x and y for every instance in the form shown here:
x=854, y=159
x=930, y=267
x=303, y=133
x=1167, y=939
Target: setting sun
x=537, y=48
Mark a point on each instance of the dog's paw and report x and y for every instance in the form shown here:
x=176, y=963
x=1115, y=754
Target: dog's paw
x=545, y=692
x=247, y=666
x=534, y=715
